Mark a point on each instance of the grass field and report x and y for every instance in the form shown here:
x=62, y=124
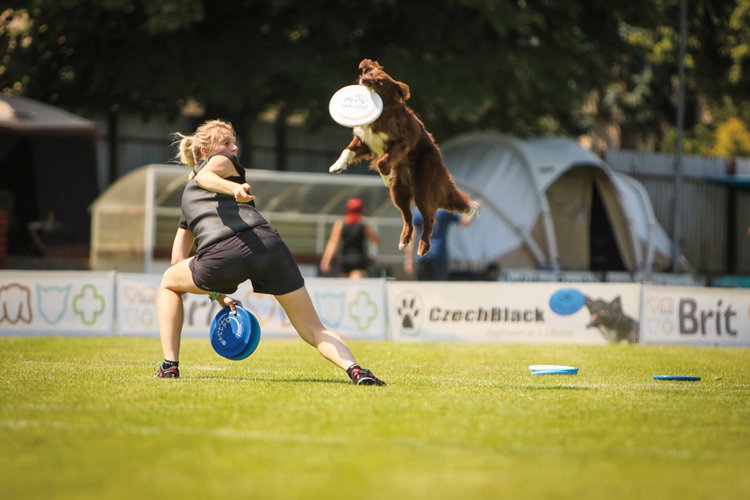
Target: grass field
x=82, y=418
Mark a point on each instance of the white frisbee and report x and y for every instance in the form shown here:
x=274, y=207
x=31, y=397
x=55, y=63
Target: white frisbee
x=355, y=106
x=538, y=368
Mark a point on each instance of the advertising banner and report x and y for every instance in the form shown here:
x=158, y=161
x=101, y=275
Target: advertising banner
x=56, y=303
x=355, y=309
x=689, y=315
x=582, y=313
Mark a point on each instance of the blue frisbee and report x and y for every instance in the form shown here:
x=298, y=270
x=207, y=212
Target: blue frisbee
x=685, y=378
x=566, y=301
x=234, y=336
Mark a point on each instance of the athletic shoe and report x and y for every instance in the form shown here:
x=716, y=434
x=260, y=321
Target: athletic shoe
x=171, y=372
x=363, y=376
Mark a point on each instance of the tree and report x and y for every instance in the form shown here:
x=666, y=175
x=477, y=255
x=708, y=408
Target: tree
x=524, y=67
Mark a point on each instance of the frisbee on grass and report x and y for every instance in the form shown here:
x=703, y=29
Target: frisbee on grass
x=355, y=106
x=537, y=368
x=566, y=301
x=686, y=378
x=553, y=370
x=234, y=336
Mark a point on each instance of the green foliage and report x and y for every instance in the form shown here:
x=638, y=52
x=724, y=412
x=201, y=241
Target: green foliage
x=732, y=139
x=523, y=67
x=516, y=66
x=82, y=418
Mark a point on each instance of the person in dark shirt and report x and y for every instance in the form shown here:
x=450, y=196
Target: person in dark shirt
x=352, y=233
x=234, y=243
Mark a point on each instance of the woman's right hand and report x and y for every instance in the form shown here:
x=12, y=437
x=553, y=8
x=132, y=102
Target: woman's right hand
x=227, y=301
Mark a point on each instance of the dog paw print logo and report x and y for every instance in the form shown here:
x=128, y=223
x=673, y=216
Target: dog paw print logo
x=409, y=312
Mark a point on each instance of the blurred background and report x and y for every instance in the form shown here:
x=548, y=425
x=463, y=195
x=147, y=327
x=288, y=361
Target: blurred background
x=656, y=90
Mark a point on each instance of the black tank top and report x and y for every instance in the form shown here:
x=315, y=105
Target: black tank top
x=354, y=245
x=213, y=217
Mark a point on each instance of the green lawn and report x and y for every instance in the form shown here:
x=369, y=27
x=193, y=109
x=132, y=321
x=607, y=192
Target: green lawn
x=82, y=418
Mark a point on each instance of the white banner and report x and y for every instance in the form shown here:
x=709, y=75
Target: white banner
x=581, y=313
x=56, y=303
x=687, y=315
x=353, y=308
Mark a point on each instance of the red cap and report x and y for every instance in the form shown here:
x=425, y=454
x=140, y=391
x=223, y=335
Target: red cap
x=353, y=211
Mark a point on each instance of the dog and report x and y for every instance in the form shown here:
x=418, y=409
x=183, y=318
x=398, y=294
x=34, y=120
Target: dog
x=405, y=154
x=612, y=322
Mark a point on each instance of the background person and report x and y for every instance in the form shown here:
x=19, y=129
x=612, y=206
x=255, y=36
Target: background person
x=433, y=266
x=352, y=233
x=234, y=243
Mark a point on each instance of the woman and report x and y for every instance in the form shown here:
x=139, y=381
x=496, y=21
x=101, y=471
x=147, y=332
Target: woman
x=234, y=243
x=353, y=234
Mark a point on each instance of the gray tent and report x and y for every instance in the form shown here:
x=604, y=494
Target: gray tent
x=550, y=204
x=47, y=174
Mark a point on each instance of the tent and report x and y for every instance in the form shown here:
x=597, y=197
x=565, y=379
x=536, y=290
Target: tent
x=48, y=174
x=548, y=203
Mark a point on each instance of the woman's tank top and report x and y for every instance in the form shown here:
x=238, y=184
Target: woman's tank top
x=213, y=217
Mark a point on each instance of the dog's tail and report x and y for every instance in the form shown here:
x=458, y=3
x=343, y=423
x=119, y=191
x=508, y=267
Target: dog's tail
x=473, y=207
x=460, y=203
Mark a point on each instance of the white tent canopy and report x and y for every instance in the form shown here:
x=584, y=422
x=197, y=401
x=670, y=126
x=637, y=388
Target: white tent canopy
x=550, y=204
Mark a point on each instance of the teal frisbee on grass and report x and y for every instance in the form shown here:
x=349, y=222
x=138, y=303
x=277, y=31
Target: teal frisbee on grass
x=553, y=370
x=234, y=336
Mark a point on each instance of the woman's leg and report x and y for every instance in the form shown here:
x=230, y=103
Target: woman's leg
x=176, y=280
x=299, y=307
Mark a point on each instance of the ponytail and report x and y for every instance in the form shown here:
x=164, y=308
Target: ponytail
x=189, y=146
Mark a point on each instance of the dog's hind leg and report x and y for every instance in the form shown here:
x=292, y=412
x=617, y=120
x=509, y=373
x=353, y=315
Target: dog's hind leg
x=401, y=197
x=428, y=218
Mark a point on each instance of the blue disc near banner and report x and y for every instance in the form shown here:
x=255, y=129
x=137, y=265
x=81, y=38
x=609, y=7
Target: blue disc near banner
x=234, y=336
x=566, y=301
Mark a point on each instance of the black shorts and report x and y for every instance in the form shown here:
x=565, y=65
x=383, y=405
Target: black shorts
x=351, y=263
x=258, y=254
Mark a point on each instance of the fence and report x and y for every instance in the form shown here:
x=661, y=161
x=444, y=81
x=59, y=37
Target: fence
x=715, y=216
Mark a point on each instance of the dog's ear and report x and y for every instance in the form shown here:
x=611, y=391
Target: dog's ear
x=368, y=65
x=403, y=90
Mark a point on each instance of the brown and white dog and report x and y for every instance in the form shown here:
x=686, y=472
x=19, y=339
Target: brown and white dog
x=406, y=156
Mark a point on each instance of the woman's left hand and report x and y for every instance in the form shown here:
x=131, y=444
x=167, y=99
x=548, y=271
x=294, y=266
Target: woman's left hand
x=242, y=194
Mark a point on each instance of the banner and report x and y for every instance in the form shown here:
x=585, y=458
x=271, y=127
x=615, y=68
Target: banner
x=582, y=313
x=355, y=309
x=56, y=303
x=686, y=315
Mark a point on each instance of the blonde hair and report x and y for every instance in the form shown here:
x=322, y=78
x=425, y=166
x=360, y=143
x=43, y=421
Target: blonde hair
x=206, y=135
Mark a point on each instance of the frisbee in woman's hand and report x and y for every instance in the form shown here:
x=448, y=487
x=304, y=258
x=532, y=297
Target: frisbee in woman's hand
x=355, y=106
x=234, y=335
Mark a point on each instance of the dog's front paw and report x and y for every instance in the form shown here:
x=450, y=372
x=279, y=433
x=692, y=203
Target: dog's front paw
x=342, y=162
